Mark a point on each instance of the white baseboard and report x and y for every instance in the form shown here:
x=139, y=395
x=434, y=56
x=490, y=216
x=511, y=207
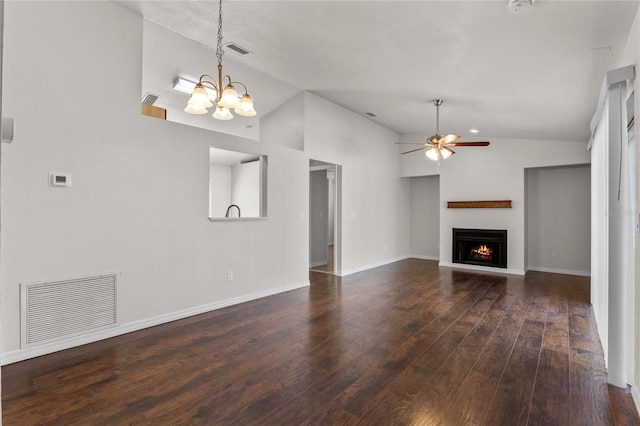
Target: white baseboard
x=483, y=268
x=560, y=271
x=419, y=256
x=371, y=265
x=35, y=351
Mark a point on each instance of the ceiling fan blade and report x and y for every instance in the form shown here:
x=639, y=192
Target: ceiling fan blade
x=468, y=144
x=448, y=138
x=413, y=150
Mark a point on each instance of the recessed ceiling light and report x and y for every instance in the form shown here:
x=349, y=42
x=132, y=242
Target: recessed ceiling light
x=474, y=130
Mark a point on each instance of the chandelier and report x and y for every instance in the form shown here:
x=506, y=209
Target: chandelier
x=226, y=97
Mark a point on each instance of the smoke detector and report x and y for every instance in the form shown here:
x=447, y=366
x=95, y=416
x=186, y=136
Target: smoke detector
x=516, y=6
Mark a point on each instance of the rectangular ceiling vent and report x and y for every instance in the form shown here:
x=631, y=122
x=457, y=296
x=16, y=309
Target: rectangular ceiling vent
x=56, y=310
x=150, y=98
x=238, y=49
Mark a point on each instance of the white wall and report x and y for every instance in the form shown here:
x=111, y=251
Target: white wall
x=495, y=172
x=425, y=217
x=318, y=217
x=559, y=219
x=139, y=202
x=631, y=56
x=220, y=187
x=1, y=96
x=139, y=199
x=375, y=202
x=331, y=228
x=284, y=125
x=245, y=188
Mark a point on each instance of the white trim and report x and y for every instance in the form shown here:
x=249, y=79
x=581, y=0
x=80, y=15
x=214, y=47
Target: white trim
x=32, y=352
x=636, y=397
x=316, y=264
x=321, y=167
x=611, y=77
x=420, y=256
x=482, y=268
x=371, y=266
x=560, y=271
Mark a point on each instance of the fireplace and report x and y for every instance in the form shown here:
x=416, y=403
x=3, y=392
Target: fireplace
x=482, y=247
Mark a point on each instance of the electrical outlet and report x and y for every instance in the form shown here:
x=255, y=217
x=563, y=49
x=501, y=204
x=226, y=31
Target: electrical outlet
x=229, y=275
x=554, y=253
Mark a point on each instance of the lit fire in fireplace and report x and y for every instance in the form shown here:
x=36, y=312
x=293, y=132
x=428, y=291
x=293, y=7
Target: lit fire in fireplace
x=482, y=252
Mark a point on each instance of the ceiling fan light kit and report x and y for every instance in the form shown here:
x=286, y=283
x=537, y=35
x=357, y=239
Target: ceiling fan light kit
x=226, y=97
x=438, y=146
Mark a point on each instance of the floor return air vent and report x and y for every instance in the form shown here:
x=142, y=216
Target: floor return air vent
x=56, y=310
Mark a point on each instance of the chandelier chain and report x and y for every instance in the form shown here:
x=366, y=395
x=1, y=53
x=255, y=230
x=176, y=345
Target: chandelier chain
x=219, y=49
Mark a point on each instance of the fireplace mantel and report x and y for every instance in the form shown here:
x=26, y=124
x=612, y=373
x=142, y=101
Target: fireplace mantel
x=494, y=204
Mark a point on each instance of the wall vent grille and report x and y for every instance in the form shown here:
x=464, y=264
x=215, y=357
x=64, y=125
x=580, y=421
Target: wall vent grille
x=56, y=310
x=150, y=98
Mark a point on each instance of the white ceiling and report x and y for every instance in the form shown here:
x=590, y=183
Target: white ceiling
x=534, y=75
x=223, y=157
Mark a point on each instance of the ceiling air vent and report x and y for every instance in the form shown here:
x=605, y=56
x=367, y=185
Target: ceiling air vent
x=370, y=114
x=238, y=49
x=149, y=98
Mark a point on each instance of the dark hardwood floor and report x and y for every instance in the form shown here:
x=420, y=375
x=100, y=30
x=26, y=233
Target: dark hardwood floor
x=408, y=343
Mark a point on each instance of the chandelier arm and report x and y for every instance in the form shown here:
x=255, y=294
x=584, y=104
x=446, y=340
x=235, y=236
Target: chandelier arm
x=207, y=80
x=246, y=92
x=227, y=78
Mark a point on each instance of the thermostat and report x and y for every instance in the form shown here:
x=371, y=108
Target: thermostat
x=59, y=179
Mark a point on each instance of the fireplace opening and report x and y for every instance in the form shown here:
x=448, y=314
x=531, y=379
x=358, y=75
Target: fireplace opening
x=482, y=247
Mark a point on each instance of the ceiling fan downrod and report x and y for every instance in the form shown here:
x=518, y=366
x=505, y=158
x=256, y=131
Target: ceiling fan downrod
x=437, y=103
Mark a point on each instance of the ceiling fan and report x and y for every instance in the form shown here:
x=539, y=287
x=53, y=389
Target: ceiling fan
x=438, y=145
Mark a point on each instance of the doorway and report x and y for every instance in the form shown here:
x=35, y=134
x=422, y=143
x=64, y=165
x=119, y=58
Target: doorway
x=324, y=217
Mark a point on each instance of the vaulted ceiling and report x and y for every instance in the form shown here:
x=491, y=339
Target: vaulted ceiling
x=535, y=74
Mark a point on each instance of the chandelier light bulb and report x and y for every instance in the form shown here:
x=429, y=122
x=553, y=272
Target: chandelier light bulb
x=246, y=107
x=193, y=109
x=222, y=113
x=200, y=97
x=229, y=98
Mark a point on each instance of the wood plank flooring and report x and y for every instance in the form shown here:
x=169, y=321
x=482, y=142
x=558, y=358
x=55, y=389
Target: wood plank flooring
x=408, y=344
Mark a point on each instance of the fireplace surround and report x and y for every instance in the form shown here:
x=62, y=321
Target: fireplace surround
x=481, y=247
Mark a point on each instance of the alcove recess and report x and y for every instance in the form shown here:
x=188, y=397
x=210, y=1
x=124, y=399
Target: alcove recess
x=493, y=204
